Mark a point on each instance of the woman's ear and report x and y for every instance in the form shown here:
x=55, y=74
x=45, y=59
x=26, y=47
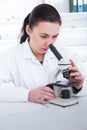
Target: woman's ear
x=28, y=30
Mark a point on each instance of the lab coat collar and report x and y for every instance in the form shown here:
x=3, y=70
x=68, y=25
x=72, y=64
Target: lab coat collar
x=27, y=51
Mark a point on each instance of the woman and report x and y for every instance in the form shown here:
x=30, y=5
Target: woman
x=27, y=68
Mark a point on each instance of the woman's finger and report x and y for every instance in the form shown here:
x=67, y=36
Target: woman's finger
x=72, y=62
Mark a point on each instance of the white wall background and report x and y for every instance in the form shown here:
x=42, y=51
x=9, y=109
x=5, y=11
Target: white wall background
x=16, y=8
x=61, y=5
x=12, y=14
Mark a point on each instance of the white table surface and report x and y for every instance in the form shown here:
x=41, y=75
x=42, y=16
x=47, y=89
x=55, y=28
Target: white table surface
x=51, y=117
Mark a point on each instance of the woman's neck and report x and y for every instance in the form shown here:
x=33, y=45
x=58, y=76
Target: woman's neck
x=39, y=56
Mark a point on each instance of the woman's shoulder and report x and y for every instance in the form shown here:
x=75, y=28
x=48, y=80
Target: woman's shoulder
x=11, y=51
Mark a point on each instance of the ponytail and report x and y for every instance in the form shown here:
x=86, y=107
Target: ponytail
x=24, y=35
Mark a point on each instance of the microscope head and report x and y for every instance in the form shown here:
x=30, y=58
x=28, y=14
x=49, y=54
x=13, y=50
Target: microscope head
x=62, y=63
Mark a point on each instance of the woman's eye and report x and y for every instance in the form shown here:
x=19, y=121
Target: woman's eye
x=44, y=36
x=47, y=36
x=55, y=36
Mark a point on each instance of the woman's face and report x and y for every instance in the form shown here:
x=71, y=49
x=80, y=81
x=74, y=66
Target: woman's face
x=42, y=35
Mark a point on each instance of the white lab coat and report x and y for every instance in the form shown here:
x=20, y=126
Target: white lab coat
x=20, y=71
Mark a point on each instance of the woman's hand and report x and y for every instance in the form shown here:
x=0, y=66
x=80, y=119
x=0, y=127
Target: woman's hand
x=75, y=75
x=41, y=95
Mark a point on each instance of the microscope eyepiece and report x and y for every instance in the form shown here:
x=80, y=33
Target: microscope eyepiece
x=55, y=52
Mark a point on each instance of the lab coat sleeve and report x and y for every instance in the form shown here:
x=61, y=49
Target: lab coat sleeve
x=8, y=90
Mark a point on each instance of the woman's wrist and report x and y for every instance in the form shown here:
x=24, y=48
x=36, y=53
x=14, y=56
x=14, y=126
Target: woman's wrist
x=76, y=89
x=29, y=94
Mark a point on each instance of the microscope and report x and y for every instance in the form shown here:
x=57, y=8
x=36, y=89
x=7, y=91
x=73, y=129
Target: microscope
x=63, y=89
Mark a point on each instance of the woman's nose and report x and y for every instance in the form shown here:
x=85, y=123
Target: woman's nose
x=47, y=44
x=49, y=41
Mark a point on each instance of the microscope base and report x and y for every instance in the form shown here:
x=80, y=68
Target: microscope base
x=64, y=102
